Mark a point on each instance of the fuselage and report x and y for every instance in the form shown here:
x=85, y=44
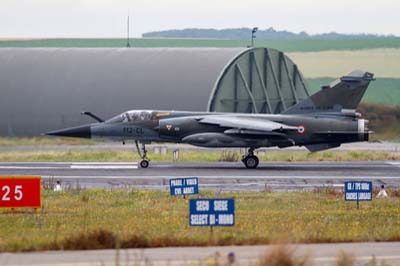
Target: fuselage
x=184, y=127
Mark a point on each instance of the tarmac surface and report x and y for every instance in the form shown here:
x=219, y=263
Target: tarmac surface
x=284, y=176
x=320, y=255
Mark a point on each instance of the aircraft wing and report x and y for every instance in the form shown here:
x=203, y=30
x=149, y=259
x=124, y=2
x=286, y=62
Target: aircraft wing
x=246, y=125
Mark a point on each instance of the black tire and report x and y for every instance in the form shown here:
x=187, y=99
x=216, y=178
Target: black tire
x=251, y=162
x=144, y=164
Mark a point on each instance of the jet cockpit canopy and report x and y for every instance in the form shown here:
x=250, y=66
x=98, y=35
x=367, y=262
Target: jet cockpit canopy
x=132, y=116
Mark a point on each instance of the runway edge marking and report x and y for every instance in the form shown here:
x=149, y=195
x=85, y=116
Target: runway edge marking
x=394, y=163
x=116, y=167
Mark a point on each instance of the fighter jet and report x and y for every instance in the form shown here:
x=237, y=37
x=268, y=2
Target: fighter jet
x=325, y=120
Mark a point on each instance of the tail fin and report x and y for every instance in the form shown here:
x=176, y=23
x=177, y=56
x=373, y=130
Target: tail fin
x=342, y=94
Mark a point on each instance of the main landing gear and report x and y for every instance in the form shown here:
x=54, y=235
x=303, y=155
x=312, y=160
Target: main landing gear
x=144, y=163
x=250, y=160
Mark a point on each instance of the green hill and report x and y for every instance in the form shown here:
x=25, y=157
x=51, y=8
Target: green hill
x=297, y=45
x=244, y=33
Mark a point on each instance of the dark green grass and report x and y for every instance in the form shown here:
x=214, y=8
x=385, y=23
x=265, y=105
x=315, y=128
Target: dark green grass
x=304, y=45
x=98, y=219
x=382, y=90
x=191, y=156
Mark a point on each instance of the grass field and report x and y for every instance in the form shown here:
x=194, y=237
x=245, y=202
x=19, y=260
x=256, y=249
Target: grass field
x=382, y=90
x=106, y=219
x=43, y=141
x=384, y=63
x=305, y=45
x=189, y=156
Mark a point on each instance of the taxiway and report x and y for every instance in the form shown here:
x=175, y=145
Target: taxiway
x=285, y=176
x=320, y=255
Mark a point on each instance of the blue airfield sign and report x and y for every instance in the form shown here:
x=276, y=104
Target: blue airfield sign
x=358, y=190
x=212, y=212
x=184, y=186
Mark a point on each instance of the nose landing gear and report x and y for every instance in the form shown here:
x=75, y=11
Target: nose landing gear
x=250, y=160
x=144, y=163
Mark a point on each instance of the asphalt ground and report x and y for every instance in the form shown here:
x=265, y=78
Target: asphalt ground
x=320, y=255
x=277, y=176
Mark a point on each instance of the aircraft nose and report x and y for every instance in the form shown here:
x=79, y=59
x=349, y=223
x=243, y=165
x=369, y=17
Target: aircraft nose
x=77, y=132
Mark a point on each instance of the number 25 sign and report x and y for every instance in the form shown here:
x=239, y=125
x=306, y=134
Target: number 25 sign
x=20, y=192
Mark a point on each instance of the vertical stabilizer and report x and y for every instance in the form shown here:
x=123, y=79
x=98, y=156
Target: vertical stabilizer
x=344, y=93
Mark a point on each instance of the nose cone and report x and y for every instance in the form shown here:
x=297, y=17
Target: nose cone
x=76, y=132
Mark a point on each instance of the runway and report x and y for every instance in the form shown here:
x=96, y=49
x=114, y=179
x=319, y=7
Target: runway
x=320, y=255
x=215, y=176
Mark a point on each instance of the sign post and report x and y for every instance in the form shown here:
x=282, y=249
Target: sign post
x=20, y=192
x=184, y=186
x=358, y=191
x=212, y=212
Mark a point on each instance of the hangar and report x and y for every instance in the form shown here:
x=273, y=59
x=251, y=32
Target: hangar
x=46, y=88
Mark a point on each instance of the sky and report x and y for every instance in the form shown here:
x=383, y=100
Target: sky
x=107, y=18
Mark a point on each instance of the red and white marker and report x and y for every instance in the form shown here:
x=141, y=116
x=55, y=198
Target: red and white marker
x=301, y=129
x=20, y=192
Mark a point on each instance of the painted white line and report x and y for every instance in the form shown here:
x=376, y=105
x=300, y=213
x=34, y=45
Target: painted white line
x=172, y=164
x=154, y=262
x=277, y=178
x=269, y=165
x=103, y=163
x=279, y=185
x=94, y=167
x=395, y=257
x=84, y=177
x=66, y=264
x=394, y=163
x=179, y=262
x=32, y=167
x=73, y=166
x=65, y=163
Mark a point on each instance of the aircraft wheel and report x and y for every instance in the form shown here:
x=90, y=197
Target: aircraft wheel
x=251, y=162
x=144, y=163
